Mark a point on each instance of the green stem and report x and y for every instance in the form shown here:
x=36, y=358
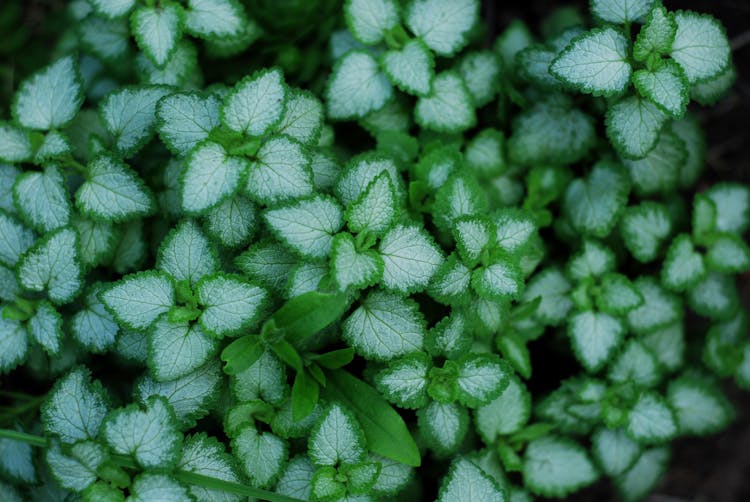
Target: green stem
x=186, y=477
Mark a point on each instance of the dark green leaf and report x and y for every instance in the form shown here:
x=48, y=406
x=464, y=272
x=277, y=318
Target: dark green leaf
x=384, y=429
x=288, y=354
x=305, y=392
x=335, y=359
x=307, y=314
x=241, y=354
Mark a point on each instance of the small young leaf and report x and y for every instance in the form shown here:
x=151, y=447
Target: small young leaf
x=498, y=281
x=151, y=436
x=644, y=228
x=595, y=63
x=113, y=192
x=375, y=209
x=356, y=87
x=481, y=378
x=618, y=295
x=442, y=24
x=683, y=266
x=280, y=172
x=473, y=235
x=256, y=104
x=353, y=269
x=666, y=87
x=404, y=382
x=651, y=420
x=50, y=98
x=659, y=308
x=657, y=36
x=53, y=265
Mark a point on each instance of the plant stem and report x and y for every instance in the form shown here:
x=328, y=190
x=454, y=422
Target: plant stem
x=186, y=477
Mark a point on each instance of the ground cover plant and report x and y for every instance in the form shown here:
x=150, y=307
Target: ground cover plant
x=312, y=251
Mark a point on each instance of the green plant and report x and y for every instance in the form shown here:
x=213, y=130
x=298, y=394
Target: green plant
x=209, y=292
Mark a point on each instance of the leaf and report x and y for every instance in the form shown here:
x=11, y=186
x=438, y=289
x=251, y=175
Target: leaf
x=506, y=414
x=356, y=87
x=700, y=407
x=307, y=226
x=13, y=342
x=359, y=174
x=666, y=87
x=190, y=396
x=157, y=31
x=353, y=269
x=448, y=107
x=550, y=133
x=297, y=478
x=15, y=145
x=651, y=420
x=304, y=278
x=98, y=241
x=614, y=451
x=326, y=486
x=484, y=153
x=473, y=235
x=384, y=430
x=657, y=36
x=410, y=258
x=728, y=254
x=75, y=408
x=229, y=304
x=107, y=39
x=480, y=71
x=232, y=222
x=92, y=326
x=633, y=126
x=205, y=455
x=77, y=470
x=714, y=89
x=641, y=479
x=16, y=461
x=305, y=393
x=337, y=439
x=45, y=326
x=635, y=363
x=644, y=228
x=700, y=46
x=138, y=299
x=618, y=296
x=280, y=172
x=112, y=8
x=303, y=117
x=555, y=467
x=129, y=115
x=595, y=336
x=683, y=266
x=411, y=68
x=261, y=455
x=211, y=176
x=51, y=97
x=659, y=309
x=177, y=349
x=113, y=192
x=714, y=297
x=369, y=21
x=621, y=11
x=593, y=261
x=514, y=349
x=268, y=263
x=443, y=426
x=151, y=436
x=375, y=209
x=186, y=255
x=732, y=203
x=467, y=481
x=15, y=240
x=595, y=62
x=442, y=24
x=256, y=104
x=308, y=314
x=594, y=204
x=53, y=265
x=451, y=283
x=42, y=199
x=147, y=487
x=659, y=170
x=499, y=281
x=385, y=326
x=404, y=382
x=552, y=287
x=692, y=135
x=185, y=119
x=214, y=19
x=481, y=378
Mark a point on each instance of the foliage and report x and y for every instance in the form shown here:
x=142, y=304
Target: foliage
x=337, y=280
